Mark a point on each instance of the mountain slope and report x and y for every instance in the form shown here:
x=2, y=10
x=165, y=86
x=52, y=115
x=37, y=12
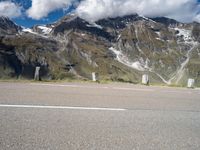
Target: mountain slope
x=118, y=49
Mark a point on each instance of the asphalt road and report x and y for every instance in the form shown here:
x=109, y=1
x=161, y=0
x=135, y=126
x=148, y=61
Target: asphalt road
x=77, y=116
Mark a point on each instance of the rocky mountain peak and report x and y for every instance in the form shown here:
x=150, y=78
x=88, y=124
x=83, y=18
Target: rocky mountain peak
x=166, y=21
x=77, y=24
x=118, y=22
x=8, y=27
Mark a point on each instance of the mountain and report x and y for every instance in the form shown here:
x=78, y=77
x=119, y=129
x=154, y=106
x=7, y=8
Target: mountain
x=8, y=27
x=118, y=49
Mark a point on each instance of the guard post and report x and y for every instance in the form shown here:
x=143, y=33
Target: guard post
x=190, y=83
x=145, y=79
x=37, y=74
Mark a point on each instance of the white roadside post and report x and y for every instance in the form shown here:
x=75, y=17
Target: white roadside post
x=37, y=74
x=190, y=83
x=94, y=78
x=145, y=79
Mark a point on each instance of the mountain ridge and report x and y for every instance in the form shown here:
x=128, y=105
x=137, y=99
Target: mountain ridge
x=118, y=49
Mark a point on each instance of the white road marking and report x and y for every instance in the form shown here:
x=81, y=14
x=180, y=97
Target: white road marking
x=61, y=107
x=65, y=85
x=133, y=89
x=92, y=87
x=181, y=91
x=56, y=85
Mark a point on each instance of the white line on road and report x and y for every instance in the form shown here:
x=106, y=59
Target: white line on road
x=133, y=89
x=61, y=107
x=92, y=87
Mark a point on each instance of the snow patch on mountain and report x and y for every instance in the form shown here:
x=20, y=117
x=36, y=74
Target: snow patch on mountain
x=45, y=30
x=187, y=34
x=147, y=19
x=95, y=25
x=158, y=33
x=28, y=30
x=119, y=36
x=124, y=60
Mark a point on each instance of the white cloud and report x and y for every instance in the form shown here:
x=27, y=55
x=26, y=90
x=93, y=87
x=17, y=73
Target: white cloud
x=10, y=9
x=182, y=10
x=41, y=8
x=93, y=10
x=197, y=18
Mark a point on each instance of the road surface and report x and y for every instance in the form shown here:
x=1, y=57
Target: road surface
x=87, y=116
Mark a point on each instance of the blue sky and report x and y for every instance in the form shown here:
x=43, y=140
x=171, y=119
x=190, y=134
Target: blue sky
x=28, y=22
x=30, y=12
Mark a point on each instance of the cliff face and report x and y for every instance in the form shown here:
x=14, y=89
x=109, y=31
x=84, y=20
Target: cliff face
x=119, y=49
x=7, y=27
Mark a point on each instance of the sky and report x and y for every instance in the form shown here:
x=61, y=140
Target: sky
x=30, y=12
